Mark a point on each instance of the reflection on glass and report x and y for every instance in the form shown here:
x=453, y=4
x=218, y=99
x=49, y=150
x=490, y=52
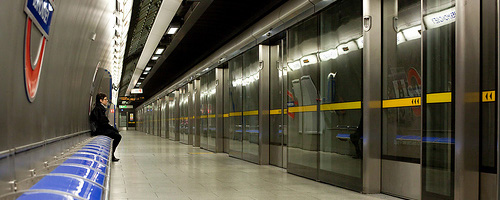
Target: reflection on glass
x=164, y=118
x=340, y=75
x=204, y=111
x=401, y=126
x=172, y=116
x=276, y=140
x=235, y=107
x=488, y=83
x=183, y=109
x=303, y=91
x=438, y=132
x=211, y=103
x=251, y=104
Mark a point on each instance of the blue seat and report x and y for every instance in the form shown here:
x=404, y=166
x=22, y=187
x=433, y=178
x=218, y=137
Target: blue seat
x=83, y=175
x=95, y=150
x=72, y=185
x=83, y=172
x=88, y=163
x=103, y=154
x=91, y=156
x=97, y=146
x=45, y=195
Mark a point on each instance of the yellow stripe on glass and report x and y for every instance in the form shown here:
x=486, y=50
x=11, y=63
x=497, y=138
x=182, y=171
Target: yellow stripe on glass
x=275, y=112
x=235, y=114
x=341, y=106
x=250, y=113
x=488, y=96
x=404, y=102
x=444, y=97
x=312, y=108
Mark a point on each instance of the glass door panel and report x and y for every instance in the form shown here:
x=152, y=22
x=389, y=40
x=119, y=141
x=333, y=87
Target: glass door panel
x=341, y=67
x=172, y=112
x=438, y=154
x=303, y=88
x=250, y=90
x=204, y=112
x=401, y=92
x=488, y=110
x=211, y=102
x=235, y=107
x=276, y=134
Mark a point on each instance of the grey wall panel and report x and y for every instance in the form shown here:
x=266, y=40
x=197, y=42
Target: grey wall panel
x=62, y=102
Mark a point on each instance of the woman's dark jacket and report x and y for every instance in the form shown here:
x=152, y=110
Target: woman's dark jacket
x=98, y=116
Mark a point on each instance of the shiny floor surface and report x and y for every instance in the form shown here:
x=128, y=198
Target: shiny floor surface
x=157, y=168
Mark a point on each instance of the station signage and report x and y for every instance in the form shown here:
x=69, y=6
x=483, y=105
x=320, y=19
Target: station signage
x=441, y=18
x=126, y=106
x=40, y=11
x=136, y=91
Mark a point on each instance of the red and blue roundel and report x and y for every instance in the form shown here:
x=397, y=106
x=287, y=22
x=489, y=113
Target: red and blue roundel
x=40, y=14
x=32, y=68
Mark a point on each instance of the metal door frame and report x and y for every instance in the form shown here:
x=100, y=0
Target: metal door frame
x=498, y=105
x=372, y=96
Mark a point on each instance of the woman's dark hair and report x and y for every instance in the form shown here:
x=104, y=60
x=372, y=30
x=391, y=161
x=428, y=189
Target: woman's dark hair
x=99, y=97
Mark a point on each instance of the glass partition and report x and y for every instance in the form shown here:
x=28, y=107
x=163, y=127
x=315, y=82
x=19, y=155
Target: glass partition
x=303, y=87
x=402, y=82
x=183, y=117
x=204, y=112
x=341, y=64
x=250, y=90
x=235, y=107
x=211, y=103
x=172, y=116
x=489, y=73
x=438, y=136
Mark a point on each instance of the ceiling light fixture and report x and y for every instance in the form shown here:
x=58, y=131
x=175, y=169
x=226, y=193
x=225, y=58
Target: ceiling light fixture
x=155, y=57
x=159, y=50
x=172, y=30
x=148, y=68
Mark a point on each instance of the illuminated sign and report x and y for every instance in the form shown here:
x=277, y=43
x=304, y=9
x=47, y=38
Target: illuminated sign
x=126, y=106
x=136, y=91
x=441, y=18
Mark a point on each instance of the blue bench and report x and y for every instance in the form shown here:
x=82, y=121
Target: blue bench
x=83, y=175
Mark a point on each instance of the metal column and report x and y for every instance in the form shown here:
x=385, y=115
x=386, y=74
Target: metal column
x=219, y=110
x=372, y=95
x=467, y=90
x=264, y=119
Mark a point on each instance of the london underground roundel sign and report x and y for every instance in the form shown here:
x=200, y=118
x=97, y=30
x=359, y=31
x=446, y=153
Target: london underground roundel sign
x=40, y=14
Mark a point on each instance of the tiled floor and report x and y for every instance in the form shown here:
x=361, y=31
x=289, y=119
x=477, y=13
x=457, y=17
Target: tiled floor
x=156, y=168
